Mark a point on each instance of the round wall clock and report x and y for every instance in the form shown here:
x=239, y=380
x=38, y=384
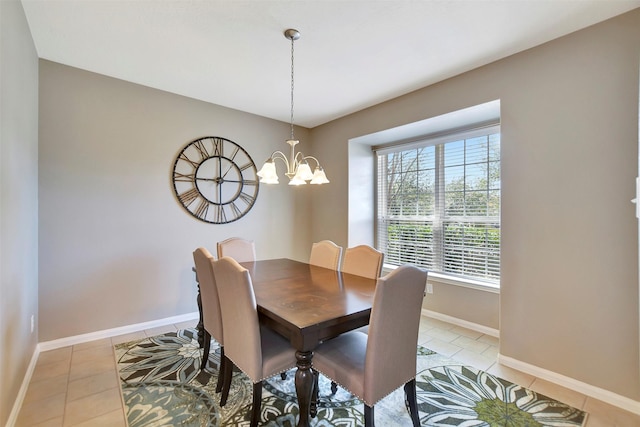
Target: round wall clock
x=215, y=180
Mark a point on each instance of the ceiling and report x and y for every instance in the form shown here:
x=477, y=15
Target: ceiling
x=352, y=54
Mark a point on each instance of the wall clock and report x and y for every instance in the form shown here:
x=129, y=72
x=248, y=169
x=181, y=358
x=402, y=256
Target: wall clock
x=215, y=180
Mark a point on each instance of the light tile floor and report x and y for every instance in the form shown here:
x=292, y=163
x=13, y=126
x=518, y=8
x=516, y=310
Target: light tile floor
x=78, y=385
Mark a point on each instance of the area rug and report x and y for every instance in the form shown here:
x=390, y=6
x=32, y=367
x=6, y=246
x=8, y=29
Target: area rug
x=162, y=385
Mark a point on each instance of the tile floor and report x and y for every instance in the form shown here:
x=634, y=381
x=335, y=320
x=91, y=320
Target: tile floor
x=78, y=385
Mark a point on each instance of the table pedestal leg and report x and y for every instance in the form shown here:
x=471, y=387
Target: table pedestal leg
x=304, y=385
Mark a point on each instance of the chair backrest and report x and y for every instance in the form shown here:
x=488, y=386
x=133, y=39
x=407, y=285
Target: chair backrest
x=326, y=254
x=211, y=316
x=393, y=331
x=239, y=317
x=363, y=261
x=241, y=250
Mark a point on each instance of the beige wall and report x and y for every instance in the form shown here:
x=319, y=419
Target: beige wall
x=18, y=201
x=569, y=112
x=115, y=245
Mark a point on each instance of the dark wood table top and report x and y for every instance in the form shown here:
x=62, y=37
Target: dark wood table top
x=309, y=304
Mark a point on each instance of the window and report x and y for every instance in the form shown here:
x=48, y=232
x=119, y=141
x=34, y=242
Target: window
x=438, y=204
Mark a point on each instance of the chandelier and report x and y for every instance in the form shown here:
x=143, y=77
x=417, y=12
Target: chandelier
x=298, y=169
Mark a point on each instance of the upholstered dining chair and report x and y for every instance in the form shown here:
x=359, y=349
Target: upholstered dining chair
x=254, y=349
x=372, y=366
x=242, y=250
x=363, y=260
x=211, y=315
x=326, y=254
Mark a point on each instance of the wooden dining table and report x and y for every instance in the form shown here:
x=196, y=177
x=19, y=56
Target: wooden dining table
x=307, y=305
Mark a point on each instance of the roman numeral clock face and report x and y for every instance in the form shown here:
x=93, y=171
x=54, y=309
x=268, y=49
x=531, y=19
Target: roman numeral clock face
x=215, y=180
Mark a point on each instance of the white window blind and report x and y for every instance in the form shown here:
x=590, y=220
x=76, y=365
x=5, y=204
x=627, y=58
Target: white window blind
x=438, y=204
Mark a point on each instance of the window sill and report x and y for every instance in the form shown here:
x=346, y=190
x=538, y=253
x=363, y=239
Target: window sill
x=465, y=283
x=456, y=281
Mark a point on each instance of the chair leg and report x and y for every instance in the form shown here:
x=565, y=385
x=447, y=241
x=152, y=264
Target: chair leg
x=205, y=352
x=257, y=404
x=226, y=385
x=410, y=393
x=313, y=410
x=221, y=373
x=368, y=416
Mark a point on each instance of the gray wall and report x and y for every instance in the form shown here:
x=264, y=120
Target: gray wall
x=18, y=201
x=115, y=245
x=569, y=111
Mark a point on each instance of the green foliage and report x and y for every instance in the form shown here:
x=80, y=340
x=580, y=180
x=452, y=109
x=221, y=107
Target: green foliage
x=470, y=249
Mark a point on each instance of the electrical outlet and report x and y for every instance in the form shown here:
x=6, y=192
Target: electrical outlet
x=429, y=288
x=33, y=323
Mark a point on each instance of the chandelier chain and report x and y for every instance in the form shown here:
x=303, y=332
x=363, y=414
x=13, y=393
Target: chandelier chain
x=292, y=39
x=298, y=169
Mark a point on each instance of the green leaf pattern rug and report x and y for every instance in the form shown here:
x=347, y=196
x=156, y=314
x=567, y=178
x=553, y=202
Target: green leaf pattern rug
x=162, y=385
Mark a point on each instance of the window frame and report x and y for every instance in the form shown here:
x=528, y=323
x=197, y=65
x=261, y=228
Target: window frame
x=433, y=140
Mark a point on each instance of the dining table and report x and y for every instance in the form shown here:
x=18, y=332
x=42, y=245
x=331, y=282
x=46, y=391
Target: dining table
x=308, y=305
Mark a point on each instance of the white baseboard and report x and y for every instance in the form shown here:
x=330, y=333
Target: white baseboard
x=462, y=323
x=108, y=333
x=587, y=389
x=92, y=336
x=15, y=411
x=78, y=339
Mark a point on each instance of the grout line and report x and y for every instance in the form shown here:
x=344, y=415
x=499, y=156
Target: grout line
x=66, y=392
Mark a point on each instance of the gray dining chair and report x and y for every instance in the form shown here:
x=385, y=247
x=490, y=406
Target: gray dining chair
x=363, y=260
x=211, y=315
x=326, y=254
x=254, y=349
x=242, y=250
x=373, y=366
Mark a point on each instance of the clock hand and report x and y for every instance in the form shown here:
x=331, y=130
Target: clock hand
x=227, y=171
x=231, y=160
x=216, y=180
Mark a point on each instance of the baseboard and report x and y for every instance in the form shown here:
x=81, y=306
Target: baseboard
x=15, y=411
x=78, y=339
x=462, y=323
x=587, y=389
x=108, y=333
